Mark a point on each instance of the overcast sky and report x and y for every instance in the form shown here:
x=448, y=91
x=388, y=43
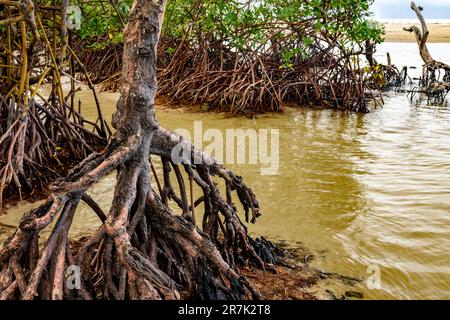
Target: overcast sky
x=400, y=9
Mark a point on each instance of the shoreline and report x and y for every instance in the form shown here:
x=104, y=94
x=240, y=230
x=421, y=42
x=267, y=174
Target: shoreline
x=293, y=278
x=439, y=32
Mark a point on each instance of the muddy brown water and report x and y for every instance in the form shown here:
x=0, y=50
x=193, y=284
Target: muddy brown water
x=362, y=192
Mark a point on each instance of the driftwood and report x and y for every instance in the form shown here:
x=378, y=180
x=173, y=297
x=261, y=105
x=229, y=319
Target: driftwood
x=431, y=66
x=142, y=250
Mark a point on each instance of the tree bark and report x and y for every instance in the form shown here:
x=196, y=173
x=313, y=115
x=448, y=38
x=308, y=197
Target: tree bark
x=430, y=65
x=142, y=250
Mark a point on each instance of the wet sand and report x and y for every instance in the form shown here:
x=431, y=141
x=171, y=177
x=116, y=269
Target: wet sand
x=439, y=32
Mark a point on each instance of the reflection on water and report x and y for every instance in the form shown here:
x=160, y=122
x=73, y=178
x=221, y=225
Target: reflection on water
x=359, y=190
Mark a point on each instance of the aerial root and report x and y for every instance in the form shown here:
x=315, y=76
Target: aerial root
x=142, y=249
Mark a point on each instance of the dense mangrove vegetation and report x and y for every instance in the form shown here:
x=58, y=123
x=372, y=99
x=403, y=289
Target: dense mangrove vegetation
x=40, y=138
x=143, y=250
x=252, y=56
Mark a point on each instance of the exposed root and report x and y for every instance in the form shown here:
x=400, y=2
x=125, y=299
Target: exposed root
x=288, y=62
x=157, y=252
x=142, y=250
x=435, y=74
x=38, y=132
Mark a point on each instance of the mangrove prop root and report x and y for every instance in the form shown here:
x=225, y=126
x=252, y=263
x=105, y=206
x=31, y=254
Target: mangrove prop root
x=143, y=250
x=382, y=76
x=38, y=132
x=206, y=70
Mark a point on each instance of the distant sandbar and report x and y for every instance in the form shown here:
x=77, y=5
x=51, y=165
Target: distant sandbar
x=439, y=32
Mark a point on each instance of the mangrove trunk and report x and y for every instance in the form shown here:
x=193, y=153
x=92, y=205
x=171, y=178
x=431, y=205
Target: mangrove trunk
x=142, y=250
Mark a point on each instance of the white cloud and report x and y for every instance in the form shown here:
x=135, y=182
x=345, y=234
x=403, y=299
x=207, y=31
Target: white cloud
x=401, y=8
x=445, y=3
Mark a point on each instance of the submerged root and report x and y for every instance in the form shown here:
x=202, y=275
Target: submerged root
x=143, y=250
x=435, y=80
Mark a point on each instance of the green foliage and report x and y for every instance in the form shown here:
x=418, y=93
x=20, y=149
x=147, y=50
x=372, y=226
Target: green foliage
x=243, y=25
x=103, y=19
x=278, y=49
x=246, y=25
x=226, y=19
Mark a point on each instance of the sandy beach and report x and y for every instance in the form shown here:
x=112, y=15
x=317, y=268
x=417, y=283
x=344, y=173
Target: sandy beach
x=439, y=32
